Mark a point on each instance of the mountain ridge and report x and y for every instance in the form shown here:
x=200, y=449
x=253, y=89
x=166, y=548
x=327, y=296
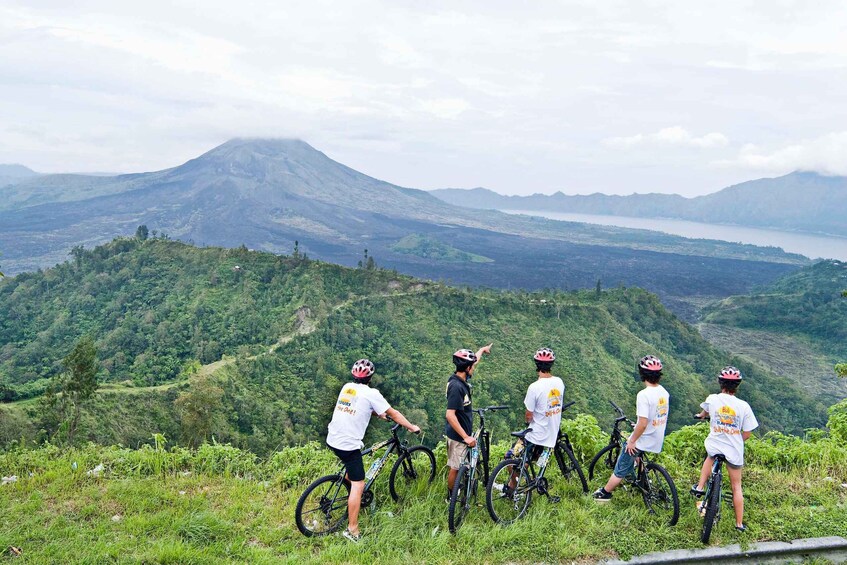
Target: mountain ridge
x=801, y=201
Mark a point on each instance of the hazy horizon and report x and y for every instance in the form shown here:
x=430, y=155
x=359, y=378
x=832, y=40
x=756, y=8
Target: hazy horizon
x=614, y=97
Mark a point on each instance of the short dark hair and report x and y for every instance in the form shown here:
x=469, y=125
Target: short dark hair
x=729, y=385
x=543, y=366
x=363, y=381
x=652, y=377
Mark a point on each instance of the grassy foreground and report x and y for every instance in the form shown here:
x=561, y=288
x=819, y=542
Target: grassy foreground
x=220, y=504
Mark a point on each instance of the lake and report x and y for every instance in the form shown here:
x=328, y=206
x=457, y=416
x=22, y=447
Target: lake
x=814, y=246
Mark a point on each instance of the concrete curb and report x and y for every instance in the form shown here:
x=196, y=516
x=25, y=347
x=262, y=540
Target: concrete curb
x=832, y=548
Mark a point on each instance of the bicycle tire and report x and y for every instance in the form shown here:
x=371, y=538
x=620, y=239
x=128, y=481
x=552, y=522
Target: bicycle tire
x=459, y=499
x=520, y=504
x=652, y=490
x=418, y=464
x=574, y=466
x=712, y=505
x=600, y=454
x=331, y=510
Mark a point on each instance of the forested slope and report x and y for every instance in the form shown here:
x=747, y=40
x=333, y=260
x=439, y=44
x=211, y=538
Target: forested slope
x=154, y=307
x=806, y=304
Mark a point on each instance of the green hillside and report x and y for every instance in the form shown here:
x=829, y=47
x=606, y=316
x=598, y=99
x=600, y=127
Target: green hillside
x=431, y=248
x=806, y=304
x=289, y=328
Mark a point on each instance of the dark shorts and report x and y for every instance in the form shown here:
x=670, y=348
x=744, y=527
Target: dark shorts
x=353, y=461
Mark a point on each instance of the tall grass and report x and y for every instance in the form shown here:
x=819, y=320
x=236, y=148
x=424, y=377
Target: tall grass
x=221, y=504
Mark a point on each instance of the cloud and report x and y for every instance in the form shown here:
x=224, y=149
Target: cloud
x=675, y=135
x=825, y=154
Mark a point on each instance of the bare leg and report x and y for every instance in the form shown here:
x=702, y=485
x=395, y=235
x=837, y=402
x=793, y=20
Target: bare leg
x=451, y=479
x=613, y=483
x=705, y=471
x=737, y=494
x=354, y=503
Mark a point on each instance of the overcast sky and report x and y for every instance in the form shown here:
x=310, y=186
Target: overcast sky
x=519, y=97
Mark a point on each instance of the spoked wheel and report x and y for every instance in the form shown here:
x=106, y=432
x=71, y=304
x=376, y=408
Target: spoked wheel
x=322, y=508
x=508, y=503
x=713, y=505
x=661, y=498
x=569, y=466
x=460, y=499
x=412, y=473
x=606, y=457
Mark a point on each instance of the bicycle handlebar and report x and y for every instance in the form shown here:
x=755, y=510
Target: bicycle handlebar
x=568, y=405
x=490, y=408
x=617, y=409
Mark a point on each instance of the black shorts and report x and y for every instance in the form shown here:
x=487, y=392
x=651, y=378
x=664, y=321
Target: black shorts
x=353, y=461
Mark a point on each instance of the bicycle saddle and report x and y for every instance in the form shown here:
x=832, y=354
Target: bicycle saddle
x=522, y=433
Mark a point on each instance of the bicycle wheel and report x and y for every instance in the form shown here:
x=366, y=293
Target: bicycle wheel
x=713, y=504
x=322, y=508
x=608, y=455
x=571, y=466
x=660, y=497
x=505, y=504
x=412, y=472
x=460, y=499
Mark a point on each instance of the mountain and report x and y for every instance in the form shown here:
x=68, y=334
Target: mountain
x=278, y=334
x=801, y=201
x=10, y=174
x=267, y=194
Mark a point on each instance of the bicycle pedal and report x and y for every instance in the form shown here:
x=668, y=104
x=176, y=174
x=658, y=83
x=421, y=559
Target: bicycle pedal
x=554, y=499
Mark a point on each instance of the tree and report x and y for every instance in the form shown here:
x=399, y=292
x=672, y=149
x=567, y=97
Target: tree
x=199, y=409
x=142, y=232
x=79, y=382
x=598, y=290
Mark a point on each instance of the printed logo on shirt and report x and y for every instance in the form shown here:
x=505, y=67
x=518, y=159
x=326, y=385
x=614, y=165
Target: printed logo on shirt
x=727, y=421
x=347, y=401
x=661, y=411
x=554, y=402
x=467, y=401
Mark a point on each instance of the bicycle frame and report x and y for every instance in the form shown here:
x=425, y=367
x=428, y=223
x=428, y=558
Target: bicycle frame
x=483, y=446
x=394, y=443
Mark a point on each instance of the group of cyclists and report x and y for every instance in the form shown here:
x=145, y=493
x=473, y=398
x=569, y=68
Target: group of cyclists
x=732, y=422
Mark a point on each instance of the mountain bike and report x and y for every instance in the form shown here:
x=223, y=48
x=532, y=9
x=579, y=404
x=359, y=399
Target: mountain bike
x=322, y=508
x=473, y=471
x=651, y=479
x=513, y=481
x=710, y=507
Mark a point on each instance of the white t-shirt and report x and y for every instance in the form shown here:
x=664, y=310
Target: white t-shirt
x=544, y=398
x=356, y=402
x=729, y=417
x=653, y=403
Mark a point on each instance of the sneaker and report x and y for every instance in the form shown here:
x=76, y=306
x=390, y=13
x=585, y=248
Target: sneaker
x=696, y=491
x=355, y=538
x=600, y=495
x=742, y=528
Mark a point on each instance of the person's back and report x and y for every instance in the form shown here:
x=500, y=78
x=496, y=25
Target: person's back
x=353, y=409
x=729, y=418
x=543, y=402
x=652, y=403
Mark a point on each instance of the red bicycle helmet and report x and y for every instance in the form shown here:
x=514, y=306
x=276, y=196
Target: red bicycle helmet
x=545, y=355
x=730, y=373
x=650, y=363
x=362, y=369
x=464, y=357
